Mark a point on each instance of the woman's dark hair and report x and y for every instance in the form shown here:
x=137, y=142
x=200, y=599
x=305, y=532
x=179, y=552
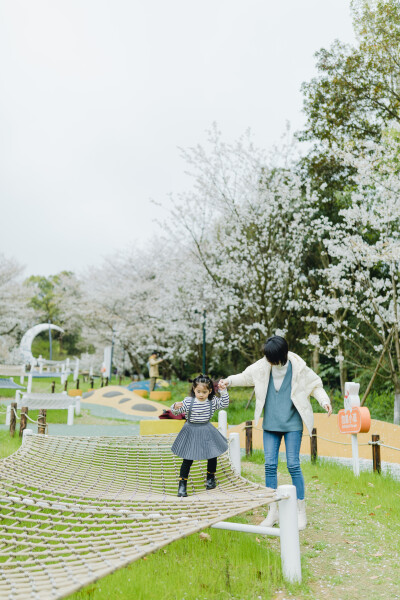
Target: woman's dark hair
x=276, y=350
x=203, y=379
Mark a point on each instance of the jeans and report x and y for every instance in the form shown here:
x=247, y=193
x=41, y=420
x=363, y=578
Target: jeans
x=272, y=441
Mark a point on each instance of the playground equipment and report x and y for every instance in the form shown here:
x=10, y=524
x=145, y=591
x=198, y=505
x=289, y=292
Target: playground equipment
x=163, y=396
x=121, y=399
x=13, y=371
x=144, y=384
x=47, y=401
x=54, y=369
x=77, y=509
x=25, y=346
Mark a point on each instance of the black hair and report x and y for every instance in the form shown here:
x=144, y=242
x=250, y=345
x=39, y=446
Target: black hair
x=203, y=379
x=276, y=350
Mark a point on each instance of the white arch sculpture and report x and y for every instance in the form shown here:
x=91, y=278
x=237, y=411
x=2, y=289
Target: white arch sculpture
x=25, y=346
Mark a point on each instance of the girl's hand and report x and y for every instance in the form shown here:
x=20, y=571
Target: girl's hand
x=328, y=409
x=222, y=384
x=178, y=405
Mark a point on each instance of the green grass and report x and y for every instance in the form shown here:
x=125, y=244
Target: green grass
x=371, y=496
x=368, y=491
x=8, y=445
x=228, y=565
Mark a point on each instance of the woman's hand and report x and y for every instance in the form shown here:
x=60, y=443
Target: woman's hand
x=178, y=405
x=328, y=409
x=222, y=384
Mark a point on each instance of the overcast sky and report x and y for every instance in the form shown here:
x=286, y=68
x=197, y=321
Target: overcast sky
x=96, y=96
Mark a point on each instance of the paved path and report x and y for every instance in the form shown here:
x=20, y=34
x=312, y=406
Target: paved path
x=86, y=430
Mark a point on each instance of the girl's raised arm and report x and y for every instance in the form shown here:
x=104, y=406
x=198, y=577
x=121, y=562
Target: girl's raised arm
x=223, y=401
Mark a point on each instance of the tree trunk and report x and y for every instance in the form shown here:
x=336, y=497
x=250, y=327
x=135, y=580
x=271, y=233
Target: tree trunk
x=315, y=360
x=134, y=362
x=396, y=411
x=343, y=375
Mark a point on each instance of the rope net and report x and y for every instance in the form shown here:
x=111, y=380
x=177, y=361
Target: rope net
x=38, y=401
x=76, y=509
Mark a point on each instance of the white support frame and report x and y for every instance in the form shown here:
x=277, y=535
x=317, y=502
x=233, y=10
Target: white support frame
x=223, y=422
x=25, y=434
x=71, y=410
x=288, y=532
x=234, y=452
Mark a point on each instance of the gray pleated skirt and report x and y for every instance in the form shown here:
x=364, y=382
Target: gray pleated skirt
x=199, y=441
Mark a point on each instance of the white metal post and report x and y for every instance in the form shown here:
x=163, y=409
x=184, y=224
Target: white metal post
x=25, y=434
x=76, y=369
x=40, y=364
x=8, y=415
x=223, y=423
x=71, y=409
x=78, y=405
x=242, y=527
x=63, y=375
x=290, y=543
x=29, y=388
x=234, y=451
x=18, y=395
x=356, y=460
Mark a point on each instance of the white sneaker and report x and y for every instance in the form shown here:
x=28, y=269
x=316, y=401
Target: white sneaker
x=301, y=514
x=272, y=517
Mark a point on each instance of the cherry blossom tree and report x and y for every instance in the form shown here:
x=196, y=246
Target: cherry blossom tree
x=145, y=301
x=15, y=316
x=248, y=220
x=357, y=301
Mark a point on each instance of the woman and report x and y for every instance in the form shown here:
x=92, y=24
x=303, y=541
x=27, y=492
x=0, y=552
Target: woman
x=283, y=384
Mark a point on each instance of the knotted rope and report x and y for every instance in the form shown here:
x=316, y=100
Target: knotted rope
x=75, y=509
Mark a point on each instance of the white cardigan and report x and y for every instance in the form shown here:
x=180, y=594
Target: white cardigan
x=304, y=383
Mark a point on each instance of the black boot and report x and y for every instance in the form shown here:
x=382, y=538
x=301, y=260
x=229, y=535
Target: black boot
x=182, y=488
x=211, y=483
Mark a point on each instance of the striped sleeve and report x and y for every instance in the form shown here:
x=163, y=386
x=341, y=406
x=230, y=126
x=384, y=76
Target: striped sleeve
x=183, y=409
x=222, y=402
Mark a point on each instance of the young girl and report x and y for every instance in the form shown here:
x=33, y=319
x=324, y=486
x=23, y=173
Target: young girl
x=198, y=439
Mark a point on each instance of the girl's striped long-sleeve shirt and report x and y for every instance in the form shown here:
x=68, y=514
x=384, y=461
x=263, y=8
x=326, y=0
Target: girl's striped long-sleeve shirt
x=201, y=408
